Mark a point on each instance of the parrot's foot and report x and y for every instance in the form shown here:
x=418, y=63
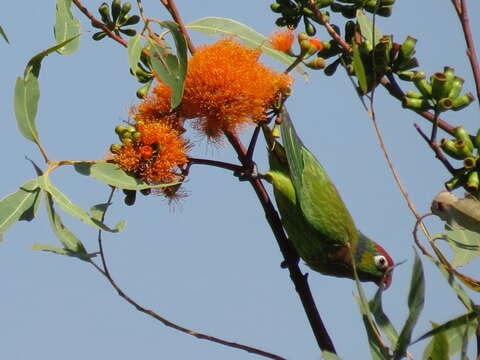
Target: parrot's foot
x=284, y=263
x=247, y=173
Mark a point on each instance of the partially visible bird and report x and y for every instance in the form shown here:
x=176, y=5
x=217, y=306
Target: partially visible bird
x=314, y=216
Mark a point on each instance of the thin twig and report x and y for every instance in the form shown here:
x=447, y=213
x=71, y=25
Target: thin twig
x=105, y=272
x=172, y=9
x=436, y=149
x=415, y=236
x=291, y=258
x=253, y=142
x=462, y=12
x=331, y=31
x=394, y=89
x=219, y=164
x=97, y=22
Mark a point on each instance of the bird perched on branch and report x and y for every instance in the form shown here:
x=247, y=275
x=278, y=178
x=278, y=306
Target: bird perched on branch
x=314, y=216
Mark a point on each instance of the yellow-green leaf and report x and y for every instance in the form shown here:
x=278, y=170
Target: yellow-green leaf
x=66, y=27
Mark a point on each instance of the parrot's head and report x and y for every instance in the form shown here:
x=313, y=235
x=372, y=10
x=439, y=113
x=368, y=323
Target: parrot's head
x=373, y=262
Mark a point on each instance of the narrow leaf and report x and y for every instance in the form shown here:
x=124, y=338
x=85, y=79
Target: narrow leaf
x=4, y=35
x=359, y=69
x=456, y=331
x=60, y=251
x=370, y=32
x=70, y=207
x=66, y=27
x=464, y=243
x=20, y=205
x=97, y=213
x=134, y=51
x=382, y=319
x=416, y=299
x=112, y=175
x=27, y=94
x=438, y=349
x=327, y=355
x=217, y=26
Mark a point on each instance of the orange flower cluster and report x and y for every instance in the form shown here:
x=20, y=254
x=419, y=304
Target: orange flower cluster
x=155, y=154
x=226, y=87
x=282, y=40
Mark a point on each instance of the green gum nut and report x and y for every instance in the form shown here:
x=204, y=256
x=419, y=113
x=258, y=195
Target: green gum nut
x=453, y=183
x=469, y=163
x=415, y=104
x=127, y=141
x=407, y=49
x=309, y=28
x=116, y=8
x=462, y=101
x=444, y=104
x=406, y=75
x=316, y=64
x=440, y=87
x=413, y=94
x=115, y=148
x=473, y=181
x=120, y=129
x=104, y=11
x=449, y=148
x=456, y=87
x=463, y=149
x=136, y=136
x=461, y=134
x=276, y=7
x=366, y=47
x=408, y=64
x=302, y=36
x=386, y=2
x=371, y=3
x=423, y=86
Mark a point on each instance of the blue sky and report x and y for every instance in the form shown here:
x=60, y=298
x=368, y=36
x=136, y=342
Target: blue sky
x=210, y=264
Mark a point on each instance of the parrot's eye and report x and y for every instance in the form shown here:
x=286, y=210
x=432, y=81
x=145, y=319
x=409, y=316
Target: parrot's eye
x=380, y=262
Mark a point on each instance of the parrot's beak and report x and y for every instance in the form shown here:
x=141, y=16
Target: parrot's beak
x=387, y=279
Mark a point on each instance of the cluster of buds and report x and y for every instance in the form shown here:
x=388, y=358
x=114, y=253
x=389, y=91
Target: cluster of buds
x=292, y=11
x=441, y=93
x=144, y=75
x=463, y=147
x=128, y=135
x=378, y=7
x=115, y=17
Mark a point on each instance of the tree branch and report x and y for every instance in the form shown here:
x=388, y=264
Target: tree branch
x=287, y=250
x=172, y=9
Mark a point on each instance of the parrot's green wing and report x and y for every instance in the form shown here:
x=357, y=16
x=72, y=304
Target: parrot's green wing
x=320, y=202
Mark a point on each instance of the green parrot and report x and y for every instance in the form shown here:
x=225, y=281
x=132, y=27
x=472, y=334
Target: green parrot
x=314, y=216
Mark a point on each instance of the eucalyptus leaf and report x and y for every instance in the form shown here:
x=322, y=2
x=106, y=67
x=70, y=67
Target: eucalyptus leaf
x=134, y=52
x=67, y=205
x=359, y=69
x=456, y=331
x=4, y=35
x=327, y=355
x=60, y=251
x=369, y=31
x=20, y=205
x=112, y=175
x=97, y=212
x=464, y=243
x=217, y=26
x=382, y=319
x=438, y=349
x=416, y=299
x=66, y=27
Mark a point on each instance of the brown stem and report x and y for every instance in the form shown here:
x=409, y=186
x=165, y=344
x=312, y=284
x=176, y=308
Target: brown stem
x=438, y=153
x=331, y=31
x=105, y=272
x=391, y=85
x=219, y=164
x=172, y=9
x=462, y=12
x=288, y=252
x=415, y=236
x=97, y=22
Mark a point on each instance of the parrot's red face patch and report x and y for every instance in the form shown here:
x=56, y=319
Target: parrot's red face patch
x=386, y=267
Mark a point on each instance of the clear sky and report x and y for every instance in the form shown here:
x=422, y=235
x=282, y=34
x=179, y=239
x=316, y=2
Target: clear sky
x=212, y=263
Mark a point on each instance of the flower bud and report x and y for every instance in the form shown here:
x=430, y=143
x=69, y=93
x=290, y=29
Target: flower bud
x=120, y=129
x=477, y=140
x=461, y=134
x=453, y=183
x=463, y=149
x=406, y=75
x=116, y=8
x=449, y=148
x=276, y=7
x=415, y=104
x=104, y=11
x=407, y=49
x=413, y=94
x=456, y=87
x=444, y=104
x=423, y=85
x=462, y=101
x=316, y=64
x=115, y=148
x=469, y=162
x=439, y=86
x=473, y=181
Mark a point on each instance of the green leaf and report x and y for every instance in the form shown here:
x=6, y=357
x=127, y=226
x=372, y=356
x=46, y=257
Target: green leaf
x=66, y=27
x=27, y=94
x=464, y=243
x=370, y=32
x=112, y=175
x=456, y=331
x=438, y=349
x=98, y=212
x=70, y=207
x=217, y=26
x=382, y=319
x=134, y=52
x=4, y=35
x=20, y=205
x=359, y=69
x=60, y=251
x=416, y=299
x=327, y=355
x=68, y=239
